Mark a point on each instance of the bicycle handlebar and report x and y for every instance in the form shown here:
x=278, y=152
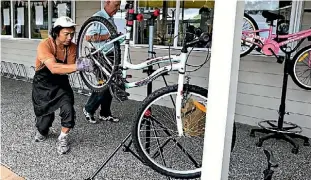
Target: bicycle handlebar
x=204, y=38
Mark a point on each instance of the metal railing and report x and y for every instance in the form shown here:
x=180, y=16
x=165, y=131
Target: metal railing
x=20, y=72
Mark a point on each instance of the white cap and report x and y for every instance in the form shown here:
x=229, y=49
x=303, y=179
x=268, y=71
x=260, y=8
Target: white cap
x=64, y=21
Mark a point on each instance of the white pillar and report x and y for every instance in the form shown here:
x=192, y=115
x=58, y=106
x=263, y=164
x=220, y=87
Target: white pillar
x=176, y=27
x=223, y=79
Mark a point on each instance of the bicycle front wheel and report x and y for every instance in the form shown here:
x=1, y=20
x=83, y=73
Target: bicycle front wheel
x=301, y=68
x=249, y=24
x=155, y=135
x=93, y=35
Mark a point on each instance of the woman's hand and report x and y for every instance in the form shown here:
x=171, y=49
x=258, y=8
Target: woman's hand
x=85, y=64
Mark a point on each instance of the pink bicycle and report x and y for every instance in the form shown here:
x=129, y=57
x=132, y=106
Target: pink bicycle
x=300, y=65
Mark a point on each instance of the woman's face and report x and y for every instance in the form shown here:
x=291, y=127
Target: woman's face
x=65, y=35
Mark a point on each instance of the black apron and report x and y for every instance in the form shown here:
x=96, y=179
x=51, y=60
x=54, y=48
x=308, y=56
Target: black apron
x=50, y=91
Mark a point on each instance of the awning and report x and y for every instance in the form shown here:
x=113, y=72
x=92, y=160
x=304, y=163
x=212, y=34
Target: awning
x=172, y=4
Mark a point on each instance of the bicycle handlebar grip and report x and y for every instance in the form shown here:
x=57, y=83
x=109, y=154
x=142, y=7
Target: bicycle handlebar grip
x=205, y=37
x=140, y=17
x=156, y=12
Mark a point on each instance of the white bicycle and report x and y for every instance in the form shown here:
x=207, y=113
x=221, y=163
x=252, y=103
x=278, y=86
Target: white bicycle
x=168, y=132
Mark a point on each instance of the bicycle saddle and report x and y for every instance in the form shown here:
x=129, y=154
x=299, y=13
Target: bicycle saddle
x=270, y=16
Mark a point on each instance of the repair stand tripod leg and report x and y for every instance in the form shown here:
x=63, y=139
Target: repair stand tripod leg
x=108, y=159
x=126, y=149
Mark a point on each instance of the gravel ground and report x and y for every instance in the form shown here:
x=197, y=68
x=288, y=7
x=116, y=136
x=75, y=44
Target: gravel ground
x=91, y=144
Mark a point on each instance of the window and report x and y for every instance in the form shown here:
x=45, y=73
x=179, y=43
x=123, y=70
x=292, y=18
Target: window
x=6, y=18
x=32, y=19
x=119, y=18
x=20, y=19
x=195, y=15
x=39, y=19
x=162, y=23
x=61, y=8
x=254, y=8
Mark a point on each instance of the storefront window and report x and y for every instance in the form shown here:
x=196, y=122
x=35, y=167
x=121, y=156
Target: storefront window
x=254, y=8
x=6, y=18
x=61, y=8
x=39, y=19
x=164, y=24
x=119, y=18
x=20, y=19
x=195, y=15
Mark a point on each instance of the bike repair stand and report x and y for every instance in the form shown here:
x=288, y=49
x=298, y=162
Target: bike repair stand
x=279, y=131
x=126, y=147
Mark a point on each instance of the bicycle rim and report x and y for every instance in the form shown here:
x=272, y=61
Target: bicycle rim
x=249, y=45
x=179, y=157
x=104, y=66
x=302, y=69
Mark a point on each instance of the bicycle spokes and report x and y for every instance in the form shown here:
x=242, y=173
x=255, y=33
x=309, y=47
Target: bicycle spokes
x=159, y=135
x=303, y=69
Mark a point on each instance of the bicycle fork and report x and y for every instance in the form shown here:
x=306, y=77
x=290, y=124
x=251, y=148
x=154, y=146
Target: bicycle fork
x=179, y=97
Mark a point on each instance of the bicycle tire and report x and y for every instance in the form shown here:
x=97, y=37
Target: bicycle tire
x=293, y=69
x=145, y=104
x=254, y=24
x=117, y=50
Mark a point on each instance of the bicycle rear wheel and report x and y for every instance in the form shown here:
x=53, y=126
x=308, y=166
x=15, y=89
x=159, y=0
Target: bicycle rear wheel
x=106, y=59
x=155, y=135
x=301, y=68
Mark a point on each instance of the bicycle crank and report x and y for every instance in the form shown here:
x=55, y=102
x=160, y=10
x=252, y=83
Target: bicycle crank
x=117, y=87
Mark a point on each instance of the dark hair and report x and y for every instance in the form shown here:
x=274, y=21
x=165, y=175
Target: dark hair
x=55, y=31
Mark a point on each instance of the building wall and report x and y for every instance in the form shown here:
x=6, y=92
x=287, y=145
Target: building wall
x=259, y=86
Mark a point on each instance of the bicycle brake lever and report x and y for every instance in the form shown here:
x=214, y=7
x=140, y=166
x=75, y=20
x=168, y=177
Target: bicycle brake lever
x=270, y=158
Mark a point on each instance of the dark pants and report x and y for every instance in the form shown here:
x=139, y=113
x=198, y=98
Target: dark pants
x=99, y=99
x=67, y=114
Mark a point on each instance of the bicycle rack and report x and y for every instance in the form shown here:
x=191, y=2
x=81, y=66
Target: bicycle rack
x=33, y=70
x=17, y=71
x=12, y=70
x=7, y=73
x=26, y=77
x=4, y=69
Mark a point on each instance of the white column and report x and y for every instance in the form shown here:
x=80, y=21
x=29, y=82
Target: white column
x=223, y=77
x=29, y=19
x=176, y=27
x=49, y=4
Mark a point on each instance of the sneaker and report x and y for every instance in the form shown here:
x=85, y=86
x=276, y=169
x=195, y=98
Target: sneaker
x=63, y=146
x=108, y=118
x=89, y=117
x=39, y=137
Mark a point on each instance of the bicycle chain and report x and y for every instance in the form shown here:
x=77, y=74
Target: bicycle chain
x=117, y=87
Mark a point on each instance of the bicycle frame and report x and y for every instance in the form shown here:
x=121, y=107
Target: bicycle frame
x=290, y=37
x=178, y=63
